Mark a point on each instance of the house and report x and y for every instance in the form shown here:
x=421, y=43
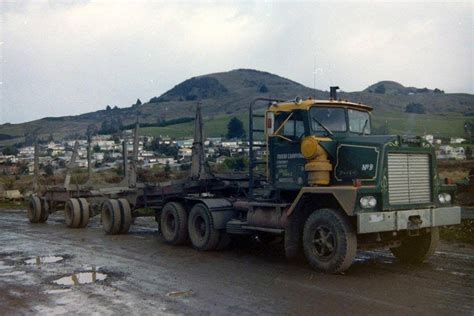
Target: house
x=449, y=152
x=165, y=160
x=27, y=151
x=457, y=140
x=221, y=159
x=428, y=138
x=187, y=143
x=98, y=157
x=185, y=152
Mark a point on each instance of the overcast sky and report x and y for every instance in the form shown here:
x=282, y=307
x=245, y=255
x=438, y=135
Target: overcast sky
x=70, y=57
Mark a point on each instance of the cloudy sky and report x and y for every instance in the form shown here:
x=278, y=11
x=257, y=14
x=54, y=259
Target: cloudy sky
x=69, y=57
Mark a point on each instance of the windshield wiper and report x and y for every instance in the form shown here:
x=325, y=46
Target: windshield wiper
x=363, y=128
x=324, y=127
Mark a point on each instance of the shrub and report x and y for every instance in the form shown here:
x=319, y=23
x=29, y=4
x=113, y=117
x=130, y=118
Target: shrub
x=416, y=108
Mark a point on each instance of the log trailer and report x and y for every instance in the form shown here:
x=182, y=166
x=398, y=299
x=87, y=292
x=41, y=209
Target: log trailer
x=329, y=187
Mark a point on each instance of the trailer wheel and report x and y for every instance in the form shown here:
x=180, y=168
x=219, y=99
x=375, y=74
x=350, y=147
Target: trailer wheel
x=44, y=211
x=36, y=212
x=329, y=241
x=417, y=249
x=125, y=216
x=85, y=212
x=174, y=223
x=116, y=216
x=201, y=229
x=76, y=213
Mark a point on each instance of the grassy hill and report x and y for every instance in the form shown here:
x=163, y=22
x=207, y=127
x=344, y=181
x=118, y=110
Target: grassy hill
x=227, y=94
x=445, y=125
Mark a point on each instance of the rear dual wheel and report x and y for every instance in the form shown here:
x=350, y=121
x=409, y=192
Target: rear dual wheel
x=37, y=210
x=177, y=227
x=77, y=213
x=174, y=223
x=202, y=233
x=116, y=216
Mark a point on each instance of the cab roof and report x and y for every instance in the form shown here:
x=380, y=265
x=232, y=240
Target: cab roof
x=289, y=106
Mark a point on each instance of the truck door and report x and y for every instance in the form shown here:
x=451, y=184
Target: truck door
x=286, y=162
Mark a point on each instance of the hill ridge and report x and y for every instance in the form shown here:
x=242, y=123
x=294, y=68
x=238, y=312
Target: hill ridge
x=230, y=93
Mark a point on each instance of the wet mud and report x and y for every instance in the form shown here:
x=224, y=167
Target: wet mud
x=50, y=269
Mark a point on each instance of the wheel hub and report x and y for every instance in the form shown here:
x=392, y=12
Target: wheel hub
x=324, y=243
x=171, y=222
x=200, y=226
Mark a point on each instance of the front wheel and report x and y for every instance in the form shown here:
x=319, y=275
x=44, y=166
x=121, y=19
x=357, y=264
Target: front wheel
x=329, y=241
x=417, y=249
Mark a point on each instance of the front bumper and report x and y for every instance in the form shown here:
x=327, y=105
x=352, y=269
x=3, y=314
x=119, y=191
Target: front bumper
x=410, y=219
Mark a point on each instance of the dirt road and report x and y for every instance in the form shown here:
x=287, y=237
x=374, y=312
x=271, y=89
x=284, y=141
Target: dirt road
x=137, y=273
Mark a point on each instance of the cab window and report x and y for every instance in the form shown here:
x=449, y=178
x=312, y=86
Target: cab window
x=333, y=119
x=359, y=121
x=293, y=128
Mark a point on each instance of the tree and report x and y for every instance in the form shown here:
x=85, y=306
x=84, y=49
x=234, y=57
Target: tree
x=469, y=129
x=48, y=170
x=108, y=108
x=416, y=108
x=9, y=151
x=167, y=167
x=263, y=89
x=468, y=152
x=116, y=139
x=236, y=164
x=96, y=148
x=380, y=89
x=235, y=128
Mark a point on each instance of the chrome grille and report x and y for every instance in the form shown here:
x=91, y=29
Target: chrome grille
x=409, y=178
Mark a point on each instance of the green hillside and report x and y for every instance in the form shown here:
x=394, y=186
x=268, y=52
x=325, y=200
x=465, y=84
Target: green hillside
x=398, y=123
x=226, y=94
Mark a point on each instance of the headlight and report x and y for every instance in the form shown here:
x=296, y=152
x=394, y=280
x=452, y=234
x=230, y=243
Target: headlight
x=444, y=197
x=368, y=202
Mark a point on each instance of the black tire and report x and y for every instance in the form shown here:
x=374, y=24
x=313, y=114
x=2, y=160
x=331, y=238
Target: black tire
x=201, y=229
x=125, y=216
x=76, y=213
x=44, y=211
x=418, y=248
x=110, y=216
x=174, y=223
x=34, y=209
x=116, y=216
x=329, y=241
x=85, y=212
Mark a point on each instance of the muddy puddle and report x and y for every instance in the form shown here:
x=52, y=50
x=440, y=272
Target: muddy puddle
x=81, y=278
x=4, y=266
x=43, y=260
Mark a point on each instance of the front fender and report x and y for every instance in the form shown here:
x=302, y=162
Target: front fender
x=344, y=195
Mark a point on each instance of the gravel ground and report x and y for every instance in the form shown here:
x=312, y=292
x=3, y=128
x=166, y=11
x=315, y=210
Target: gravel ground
x=50, y=269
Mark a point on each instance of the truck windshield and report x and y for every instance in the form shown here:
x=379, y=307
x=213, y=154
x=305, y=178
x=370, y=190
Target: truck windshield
x=334, y=119
x=359, y=121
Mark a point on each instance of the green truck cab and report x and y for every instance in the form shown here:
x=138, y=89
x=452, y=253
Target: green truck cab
x=347, y=189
